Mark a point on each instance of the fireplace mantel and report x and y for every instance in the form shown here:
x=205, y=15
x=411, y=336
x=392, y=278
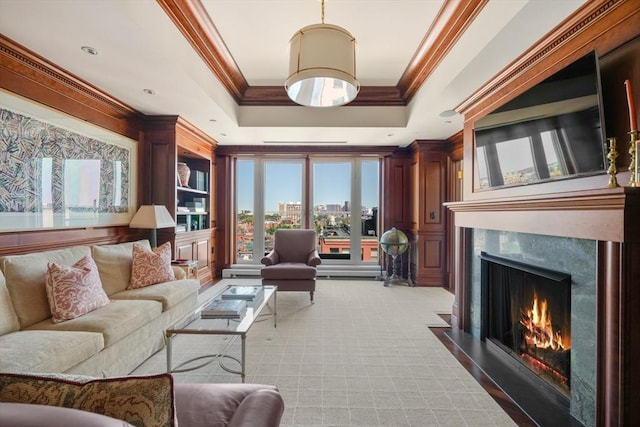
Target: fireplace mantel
x=581, y=208
x=611, y=217
x=606, y=214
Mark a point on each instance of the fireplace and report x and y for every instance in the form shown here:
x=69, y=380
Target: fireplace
x=526, y=316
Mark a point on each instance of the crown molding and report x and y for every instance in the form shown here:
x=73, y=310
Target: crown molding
x=191, y=18
x=195, y=24
x=31, y=76
x=583, y=25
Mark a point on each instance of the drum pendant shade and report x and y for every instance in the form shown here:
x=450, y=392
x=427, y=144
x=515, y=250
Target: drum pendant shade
x=322, y=66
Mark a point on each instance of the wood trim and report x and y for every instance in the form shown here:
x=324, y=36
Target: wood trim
x=605, y=198
x=461, y=309
x=302, y=151
x=31, y=76
x=24, y=242
x=609, y=363
x=452, y=21
x=575, y=35
x=456, y=148
x=26, y=74
x=225, y=222
x=629, y=270
x=598, y=214
x=194, y=22
x=388, y=96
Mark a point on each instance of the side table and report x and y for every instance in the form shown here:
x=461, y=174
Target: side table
x=190, y=267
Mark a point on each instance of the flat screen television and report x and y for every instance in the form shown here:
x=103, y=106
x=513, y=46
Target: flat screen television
x=553, y=131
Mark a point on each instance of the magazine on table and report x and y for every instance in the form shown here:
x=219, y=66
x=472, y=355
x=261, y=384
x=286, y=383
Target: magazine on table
x=225, y=308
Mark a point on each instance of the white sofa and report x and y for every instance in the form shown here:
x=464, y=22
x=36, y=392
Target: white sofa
x=110, y=341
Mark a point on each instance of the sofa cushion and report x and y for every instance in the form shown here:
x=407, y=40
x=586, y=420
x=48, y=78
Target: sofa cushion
x=151, y=267
x=74, y=290
x=8, y=319
x=47, y=351
x=25, y=276
x=168, y=293
x=140, y=401
x=114, y=264
x=115, y=320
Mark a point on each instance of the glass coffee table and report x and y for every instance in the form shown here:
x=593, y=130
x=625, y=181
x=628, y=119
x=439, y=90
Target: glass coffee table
x=237, y=328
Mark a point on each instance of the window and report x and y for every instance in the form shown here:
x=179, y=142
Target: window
x=342, y=205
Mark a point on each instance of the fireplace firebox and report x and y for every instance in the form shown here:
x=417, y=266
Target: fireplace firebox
x=526, y=313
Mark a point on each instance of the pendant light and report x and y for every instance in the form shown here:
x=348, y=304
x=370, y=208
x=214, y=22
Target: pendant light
x=322, y=66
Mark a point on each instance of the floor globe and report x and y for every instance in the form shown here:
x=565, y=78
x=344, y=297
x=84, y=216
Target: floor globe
x=394, y=243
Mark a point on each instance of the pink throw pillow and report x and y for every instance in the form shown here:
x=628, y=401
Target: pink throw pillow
x=149, y=268
x=74, y=291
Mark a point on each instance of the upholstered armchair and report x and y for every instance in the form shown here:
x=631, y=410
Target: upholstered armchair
x=291, y=265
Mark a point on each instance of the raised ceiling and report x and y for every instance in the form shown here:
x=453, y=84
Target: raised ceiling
x=221, y=64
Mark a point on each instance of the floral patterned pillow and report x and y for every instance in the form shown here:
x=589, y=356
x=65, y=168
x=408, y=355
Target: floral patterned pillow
x=74, y=291
x=149, y=268
x=139, y=400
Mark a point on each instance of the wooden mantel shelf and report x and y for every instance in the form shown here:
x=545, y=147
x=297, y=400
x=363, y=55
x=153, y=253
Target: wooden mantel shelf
x=604, y=214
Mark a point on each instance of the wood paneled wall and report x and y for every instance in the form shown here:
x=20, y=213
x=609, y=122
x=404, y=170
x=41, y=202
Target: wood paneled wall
x=28, y=75
x=579, y=208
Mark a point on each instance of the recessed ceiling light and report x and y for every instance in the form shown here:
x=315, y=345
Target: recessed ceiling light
x=90, y=50
x=149, y=91
x=448, y=113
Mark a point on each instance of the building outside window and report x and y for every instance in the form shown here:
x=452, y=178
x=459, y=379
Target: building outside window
x=342, y=206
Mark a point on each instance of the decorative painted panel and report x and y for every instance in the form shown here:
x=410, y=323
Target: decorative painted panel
x=57, y=171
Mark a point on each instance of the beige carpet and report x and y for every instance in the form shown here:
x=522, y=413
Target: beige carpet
x=362, y=355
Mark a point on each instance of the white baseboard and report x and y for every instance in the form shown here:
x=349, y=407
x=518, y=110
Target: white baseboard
x=237, y=270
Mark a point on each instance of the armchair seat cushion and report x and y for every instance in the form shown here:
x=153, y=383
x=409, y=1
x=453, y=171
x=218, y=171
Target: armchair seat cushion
x=35, y=415
x=288, y=271
x=228, y=405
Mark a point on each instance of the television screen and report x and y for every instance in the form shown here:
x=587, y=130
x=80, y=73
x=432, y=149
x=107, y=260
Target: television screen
x=555, y=130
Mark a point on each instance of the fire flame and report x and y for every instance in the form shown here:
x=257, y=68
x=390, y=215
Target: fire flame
x=538, y=328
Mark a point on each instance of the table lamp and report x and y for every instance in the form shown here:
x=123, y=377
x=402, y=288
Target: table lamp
x=152, y=217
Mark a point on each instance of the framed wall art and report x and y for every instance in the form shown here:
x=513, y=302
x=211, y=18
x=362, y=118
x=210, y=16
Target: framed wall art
x=57, y=171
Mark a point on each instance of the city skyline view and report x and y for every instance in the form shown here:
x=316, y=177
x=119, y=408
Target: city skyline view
x=283, y=183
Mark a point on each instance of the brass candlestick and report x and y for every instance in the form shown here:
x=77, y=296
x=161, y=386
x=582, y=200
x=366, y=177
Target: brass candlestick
x=612, y=156
x=633, y=165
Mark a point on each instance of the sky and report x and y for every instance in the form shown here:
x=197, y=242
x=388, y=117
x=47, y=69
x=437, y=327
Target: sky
x=516, y=155
x=283, y=183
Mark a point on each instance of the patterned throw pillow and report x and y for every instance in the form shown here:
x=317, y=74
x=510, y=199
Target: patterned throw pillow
x=74, y=291
x=141, y=401
x=149, y=268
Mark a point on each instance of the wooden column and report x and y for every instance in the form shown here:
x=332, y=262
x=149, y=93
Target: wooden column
x=461, y=310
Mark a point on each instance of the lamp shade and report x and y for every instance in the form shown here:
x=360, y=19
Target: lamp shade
x=322, y=66
x=152, y=216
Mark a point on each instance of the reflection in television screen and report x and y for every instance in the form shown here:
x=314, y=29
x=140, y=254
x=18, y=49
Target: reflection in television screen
x=552, y=131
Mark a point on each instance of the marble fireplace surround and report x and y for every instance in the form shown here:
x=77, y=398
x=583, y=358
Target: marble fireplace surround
x=594, y=234
x=574, y=256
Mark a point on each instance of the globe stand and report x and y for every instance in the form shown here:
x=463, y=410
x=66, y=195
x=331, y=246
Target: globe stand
x=393, y=243
x=396, y=276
